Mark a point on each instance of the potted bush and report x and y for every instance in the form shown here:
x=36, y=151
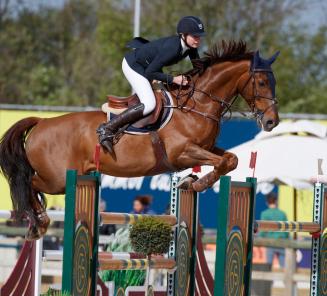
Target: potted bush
x=150, y=236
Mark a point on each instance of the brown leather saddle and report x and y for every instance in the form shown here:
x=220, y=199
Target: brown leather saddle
x=119, y=104
x=148, y=124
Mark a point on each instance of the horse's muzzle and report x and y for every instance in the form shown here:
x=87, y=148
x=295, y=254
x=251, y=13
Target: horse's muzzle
x=268, y=123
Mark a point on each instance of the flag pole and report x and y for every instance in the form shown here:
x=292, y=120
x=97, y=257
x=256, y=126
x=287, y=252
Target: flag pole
x=320, y=172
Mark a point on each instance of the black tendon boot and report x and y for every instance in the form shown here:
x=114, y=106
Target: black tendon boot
x=106, y=131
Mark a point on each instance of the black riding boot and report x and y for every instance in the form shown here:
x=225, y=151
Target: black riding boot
x=106, y=131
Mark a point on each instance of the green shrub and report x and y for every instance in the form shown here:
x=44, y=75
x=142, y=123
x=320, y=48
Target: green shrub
x=150, y=235
x=52, y=292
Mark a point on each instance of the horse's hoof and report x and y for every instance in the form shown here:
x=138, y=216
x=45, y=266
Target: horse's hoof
x=42, y=222
x=43, y=227
x=185, y=183
x=33, y=234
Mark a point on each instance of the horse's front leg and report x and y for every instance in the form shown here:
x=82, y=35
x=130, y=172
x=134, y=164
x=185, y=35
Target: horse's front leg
x=228, y=163
x=222, y=161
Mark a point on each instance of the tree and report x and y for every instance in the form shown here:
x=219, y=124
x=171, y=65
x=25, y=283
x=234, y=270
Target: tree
x=71, y=55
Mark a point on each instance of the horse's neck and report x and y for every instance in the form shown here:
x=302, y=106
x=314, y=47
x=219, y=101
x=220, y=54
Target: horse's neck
x=222, y=80
x=218, y=83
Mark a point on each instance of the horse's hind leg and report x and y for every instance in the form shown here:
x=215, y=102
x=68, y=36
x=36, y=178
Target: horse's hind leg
x=40, y=221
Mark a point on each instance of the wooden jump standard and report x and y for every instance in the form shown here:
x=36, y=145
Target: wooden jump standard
x=235, y=239
x=81, y=257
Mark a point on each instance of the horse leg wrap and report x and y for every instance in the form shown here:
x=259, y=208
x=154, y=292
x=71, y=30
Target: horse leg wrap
x=33, y=232
x=186, y=182
x=42, y=221
x=205, y=182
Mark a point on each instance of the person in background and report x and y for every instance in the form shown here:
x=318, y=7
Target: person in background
x=141, y=205
x=105, y=229
x=273, y=213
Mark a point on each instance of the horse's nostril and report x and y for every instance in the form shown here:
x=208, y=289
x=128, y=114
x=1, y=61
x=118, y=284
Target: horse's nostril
x=270, y=122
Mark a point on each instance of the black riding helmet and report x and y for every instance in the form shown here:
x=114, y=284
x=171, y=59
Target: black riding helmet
x=190, y=25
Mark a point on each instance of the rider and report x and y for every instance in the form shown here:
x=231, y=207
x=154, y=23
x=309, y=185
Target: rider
x=145, y=64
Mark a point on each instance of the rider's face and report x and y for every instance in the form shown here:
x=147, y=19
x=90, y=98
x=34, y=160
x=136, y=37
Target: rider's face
x=193, y=41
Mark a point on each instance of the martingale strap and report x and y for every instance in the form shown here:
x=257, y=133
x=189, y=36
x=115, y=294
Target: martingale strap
x=162, y=163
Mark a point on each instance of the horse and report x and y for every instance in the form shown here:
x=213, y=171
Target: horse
x=35, y=153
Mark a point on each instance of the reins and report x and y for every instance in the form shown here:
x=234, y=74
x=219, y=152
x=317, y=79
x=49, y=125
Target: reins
x=226, y=105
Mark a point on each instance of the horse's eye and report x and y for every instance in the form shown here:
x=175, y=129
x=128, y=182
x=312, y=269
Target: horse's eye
x=261, y=83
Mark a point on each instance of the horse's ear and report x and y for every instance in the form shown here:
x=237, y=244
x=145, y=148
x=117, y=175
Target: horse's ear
x=256, y=56
x=256, y=59
x=274, y=57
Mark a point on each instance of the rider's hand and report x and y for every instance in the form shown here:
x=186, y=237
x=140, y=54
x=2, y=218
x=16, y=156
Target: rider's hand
x=180, y=80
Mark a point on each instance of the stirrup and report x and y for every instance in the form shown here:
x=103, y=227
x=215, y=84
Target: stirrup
x=102, y=130
x=107, y=143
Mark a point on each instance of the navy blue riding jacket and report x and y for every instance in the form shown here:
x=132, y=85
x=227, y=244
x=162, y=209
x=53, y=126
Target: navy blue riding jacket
x=149, y=59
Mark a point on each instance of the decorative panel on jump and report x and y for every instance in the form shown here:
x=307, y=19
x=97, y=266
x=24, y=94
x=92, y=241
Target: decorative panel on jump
x=234, y=237
x=81, y=234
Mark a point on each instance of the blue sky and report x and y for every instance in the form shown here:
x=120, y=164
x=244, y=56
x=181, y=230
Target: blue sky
x=313, y=16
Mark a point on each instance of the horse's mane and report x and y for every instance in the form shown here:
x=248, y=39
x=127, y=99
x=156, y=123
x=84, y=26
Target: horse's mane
x=221, y=52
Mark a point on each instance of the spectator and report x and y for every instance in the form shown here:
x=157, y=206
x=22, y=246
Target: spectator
x=141, y=205
x=274, y=214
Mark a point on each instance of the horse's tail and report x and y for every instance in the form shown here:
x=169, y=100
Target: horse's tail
x=15, y=166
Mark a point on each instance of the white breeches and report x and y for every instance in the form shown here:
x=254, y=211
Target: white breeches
x=141, y=86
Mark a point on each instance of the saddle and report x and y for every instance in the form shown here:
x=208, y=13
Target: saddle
x=117, y=105
x=148, y=125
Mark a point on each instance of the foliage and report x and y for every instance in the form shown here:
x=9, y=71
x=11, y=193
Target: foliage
x=71, y=54
x=122, y=278
x=52, y=292
x=150, y=235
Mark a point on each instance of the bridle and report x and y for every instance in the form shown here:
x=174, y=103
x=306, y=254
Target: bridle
x=259, y=114
x=225, y=103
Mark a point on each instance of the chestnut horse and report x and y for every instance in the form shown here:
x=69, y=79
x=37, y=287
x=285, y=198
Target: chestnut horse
x=35, y=153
